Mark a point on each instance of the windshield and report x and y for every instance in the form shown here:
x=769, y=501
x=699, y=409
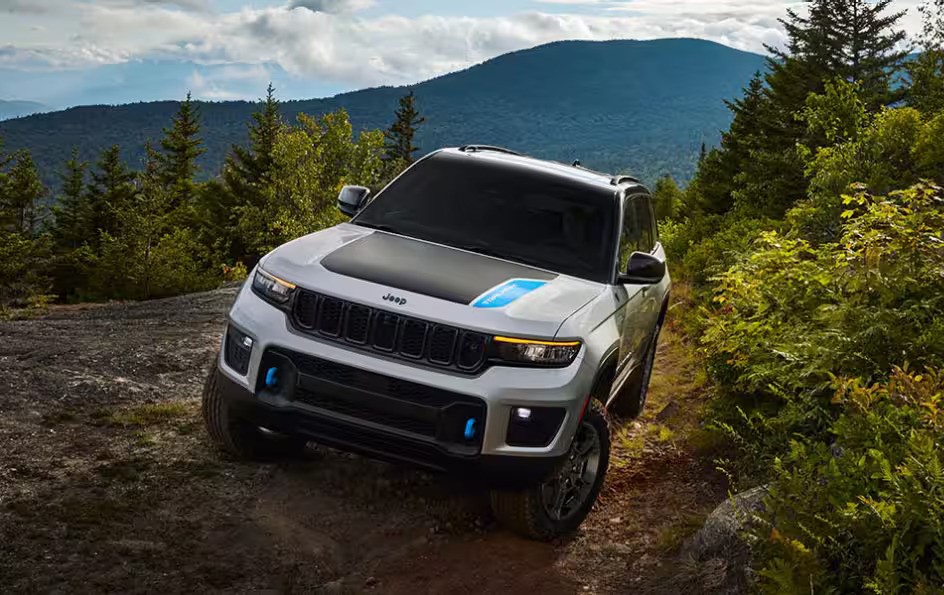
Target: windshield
x=500, y=209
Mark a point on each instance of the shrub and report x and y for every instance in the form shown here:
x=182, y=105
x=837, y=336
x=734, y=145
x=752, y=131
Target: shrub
x=864, y=509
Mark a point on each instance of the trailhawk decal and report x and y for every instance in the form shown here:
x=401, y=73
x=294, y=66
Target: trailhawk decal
x=504, y=294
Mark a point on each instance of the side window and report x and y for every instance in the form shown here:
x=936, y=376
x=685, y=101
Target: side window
x=630, y=234
x=644, y=215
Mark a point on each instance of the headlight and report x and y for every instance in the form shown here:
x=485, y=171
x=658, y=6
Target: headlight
x=539, y=353
x=271, y=288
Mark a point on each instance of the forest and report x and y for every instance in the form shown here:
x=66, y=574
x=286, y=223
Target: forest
x=118, y=233
x=810, y=242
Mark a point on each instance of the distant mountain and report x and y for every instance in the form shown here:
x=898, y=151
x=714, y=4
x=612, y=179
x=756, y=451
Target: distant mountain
x=638, y=106
x=154, y=80
x=15, y=109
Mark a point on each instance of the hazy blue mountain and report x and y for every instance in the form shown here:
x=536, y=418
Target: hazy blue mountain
x=153, y=80
x=15, y=109
x=638, y=106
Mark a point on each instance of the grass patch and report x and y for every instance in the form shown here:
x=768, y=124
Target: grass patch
x=671, y=537
x=149, y=414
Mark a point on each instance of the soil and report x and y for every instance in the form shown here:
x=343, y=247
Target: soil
x=108, y=482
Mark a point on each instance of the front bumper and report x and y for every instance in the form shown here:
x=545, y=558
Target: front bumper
x=273, y=412
x=497, y=389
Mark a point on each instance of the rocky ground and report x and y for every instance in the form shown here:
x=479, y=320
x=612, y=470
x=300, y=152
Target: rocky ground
x=108, y=483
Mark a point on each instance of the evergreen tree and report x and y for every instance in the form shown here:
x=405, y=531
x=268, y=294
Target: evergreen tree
x=850, y=39
x=70, y=211
x=180, y=148
x=23, y=194
x=111, y=191
x=715, y=181
x=926, y=72
x=249, y=169
x=248, y=175
x=399, y=137
x=666, y=198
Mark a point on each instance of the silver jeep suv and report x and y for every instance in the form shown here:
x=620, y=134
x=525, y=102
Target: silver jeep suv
x=479, y=316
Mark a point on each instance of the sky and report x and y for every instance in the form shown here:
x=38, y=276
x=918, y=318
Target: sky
x=65, y=52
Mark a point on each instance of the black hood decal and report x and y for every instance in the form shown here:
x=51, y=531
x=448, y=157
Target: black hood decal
x=421, y=267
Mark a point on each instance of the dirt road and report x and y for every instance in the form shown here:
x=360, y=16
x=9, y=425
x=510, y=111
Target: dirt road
x=107, y=482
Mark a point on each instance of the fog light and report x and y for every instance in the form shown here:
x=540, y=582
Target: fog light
x=533, y=426
x=247, y=342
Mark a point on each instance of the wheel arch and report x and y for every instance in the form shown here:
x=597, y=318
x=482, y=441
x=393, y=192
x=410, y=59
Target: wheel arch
x=604, y=376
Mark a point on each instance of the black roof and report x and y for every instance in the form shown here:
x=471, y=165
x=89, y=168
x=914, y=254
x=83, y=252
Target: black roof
x=536, y=166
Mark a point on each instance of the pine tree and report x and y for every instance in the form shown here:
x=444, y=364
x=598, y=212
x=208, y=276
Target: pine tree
x=666, y=198
x=399, y=137
x=180, y=148
x=111, y=190
x=70, y=211
x=248, y=170
x=24, y=191
x=148, y=220
x=850, y=39
x=715, y=180
x=926, y=72
x=248, y=175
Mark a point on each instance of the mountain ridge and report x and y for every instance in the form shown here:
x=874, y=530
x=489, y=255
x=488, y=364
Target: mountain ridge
x=645, y=106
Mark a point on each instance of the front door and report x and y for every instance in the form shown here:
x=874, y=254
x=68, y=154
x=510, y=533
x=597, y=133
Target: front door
x=633, y=316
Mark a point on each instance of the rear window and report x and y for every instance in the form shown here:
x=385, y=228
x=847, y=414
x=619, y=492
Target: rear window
x=504, y=210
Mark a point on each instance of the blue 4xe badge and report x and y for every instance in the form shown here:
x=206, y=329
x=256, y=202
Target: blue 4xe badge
x=504, y=294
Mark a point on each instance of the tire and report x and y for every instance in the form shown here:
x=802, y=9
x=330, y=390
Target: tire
x=528, y=512
x=631, y=403
x=239, y=438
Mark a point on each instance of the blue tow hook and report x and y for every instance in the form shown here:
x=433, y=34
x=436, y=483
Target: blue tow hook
x=271, y=378
x=469, y=429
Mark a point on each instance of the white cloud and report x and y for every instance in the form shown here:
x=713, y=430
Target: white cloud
x=332, y=6
x=327, y=40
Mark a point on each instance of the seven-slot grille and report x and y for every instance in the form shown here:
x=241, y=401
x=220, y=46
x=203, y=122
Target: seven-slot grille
x=387, y=332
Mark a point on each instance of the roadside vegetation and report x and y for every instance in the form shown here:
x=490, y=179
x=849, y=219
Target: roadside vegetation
x=115, y=232
x=812, y=238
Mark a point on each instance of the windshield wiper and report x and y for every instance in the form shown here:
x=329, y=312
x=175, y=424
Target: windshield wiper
x=379, y=227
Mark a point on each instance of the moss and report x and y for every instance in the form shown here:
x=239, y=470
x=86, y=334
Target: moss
x=150, y=414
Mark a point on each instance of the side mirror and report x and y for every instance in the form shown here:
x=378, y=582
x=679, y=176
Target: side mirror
x=352, y=199
x=643, y=269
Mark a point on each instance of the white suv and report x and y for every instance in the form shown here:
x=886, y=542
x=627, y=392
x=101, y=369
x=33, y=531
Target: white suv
x=479, y=316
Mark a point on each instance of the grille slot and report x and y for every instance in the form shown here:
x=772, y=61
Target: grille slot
x=329, y=319
x=413, y=338
x=385, y=331
x=306, y=310
x=380, y=330
x=357, y=324
x=442, y=342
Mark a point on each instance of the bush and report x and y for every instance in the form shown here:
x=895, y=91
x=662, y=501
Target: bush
x=863, y=510
x=23, y=259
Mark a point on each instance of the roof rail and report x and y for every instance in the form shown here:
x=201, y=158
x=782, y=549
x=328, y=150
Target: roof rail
x=617, y=180
x=474, y=148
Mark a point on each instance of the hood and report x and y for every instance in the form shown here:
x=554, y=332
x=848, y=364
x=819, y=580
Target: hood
x=431, y=281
